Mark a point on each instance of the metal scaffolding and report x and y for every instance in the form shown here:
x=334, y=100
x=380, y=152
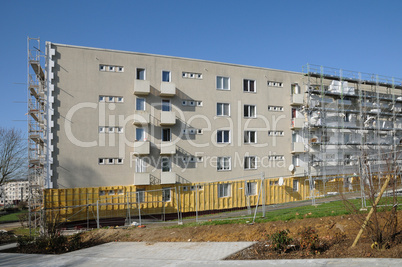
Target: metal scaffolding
x=36, y=131
x=349, y=116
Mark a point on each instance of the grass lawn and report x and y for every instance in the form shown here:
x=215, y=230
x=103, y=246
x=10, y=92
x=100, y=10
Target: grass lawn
x=12, y=216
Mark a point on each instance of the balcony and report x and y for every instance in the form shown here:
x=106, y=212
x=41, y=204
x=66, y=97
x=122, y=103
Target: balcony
x=296, y=100
x=168, y=148
x=168, y=89
x=297, y=123
x=142, y=178
x=168, y=177
x=142, y=87
x=141, y=118
x=297, y=147
x=142, y=147
x=168, y=118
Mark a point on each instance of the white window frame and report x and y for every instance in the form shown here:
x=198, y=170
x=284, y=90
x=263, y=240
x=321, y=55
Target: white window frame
x=119, y=99
x=138, y=73
x=224, y=164
x=110, y=99
x=250, y=163
x=102, y=98
x=137, y=106
x=102, y=129
x=118, y=161
x=295, y=185
x=110, y=161
x=166, y=194
x=220, y=84
x=251, y=188
x=248, y=135
x=166, y=103
x=140, y=195
x=140, y=165
x=224, y=190
x=220, y=108
x=101, y=161
x=221, y=133
x=143, y=134
x=170, y=77
x=246, y=85
x=249, y=111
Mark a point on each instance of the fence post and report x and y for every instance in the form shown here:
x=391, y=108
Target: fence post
x=263, y=198
x=196, y=203
x=139, y=207
x=128, y=207
x=97, y=213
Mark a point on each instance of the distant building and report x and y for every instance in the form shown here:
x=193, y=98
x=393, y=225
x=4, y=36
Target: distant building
x=14, y=192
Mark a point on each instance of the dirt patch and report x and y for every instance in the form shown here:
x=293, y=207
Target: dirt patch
x=336, y=234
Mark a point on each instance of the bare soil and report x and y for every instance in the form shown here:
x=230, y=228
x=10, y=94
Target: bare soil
x=336, y=235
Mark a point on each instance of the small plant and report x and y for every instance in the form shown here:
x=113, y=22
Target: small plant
x=280, y=240
x=309, y=239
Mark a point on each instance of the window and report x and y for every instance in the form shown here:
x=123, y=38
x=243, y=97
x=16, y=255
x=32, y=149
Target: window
x=184, y=103
x=224, y=190
x=250, y=163
x=111, y=68
x=275, y=108
x=166, y=135
x=165, y=76
x=110, y=99
x=101, y=129
x=250, y=111
x=295, y=185
x=166, y=105
x=222, y=83
x=102, y=98
x=102, y=67
x=223, y=164
x=119, y=161
x=223, y=109
x=140, y=165
x=140, y=74
x=295, y=89
x=275, y=84
x=120, y=69
x=249, y=86
x=166, y=196
x=192, y=75
x=101, y=161
x=119, y=99
x=251, y=189
x=199, y=103
x=140, y=104
x=250, y=137
x=139, y=134
x=110, y=161
x=140, y=192
x=223, y=136
x=165, y=164
x=111, y=130
x=296, y=160
x=119, y=129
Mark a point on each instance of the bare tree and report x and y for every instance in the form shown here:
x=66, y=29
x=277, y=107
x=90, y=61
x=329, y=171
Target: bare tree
x=12, y=154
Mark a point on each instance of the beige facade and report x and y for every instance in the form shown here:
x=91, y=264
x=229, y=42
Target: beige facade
x=124, y=118
x=12, y=192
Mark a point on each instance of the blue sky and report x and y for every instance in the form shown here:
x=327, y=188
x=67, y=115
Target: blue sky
x=360, y=35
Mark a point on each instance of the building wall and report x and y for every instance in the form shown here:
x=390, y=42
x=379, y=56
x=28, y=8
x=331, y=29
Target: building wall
x=14, y=191
x=79, y=82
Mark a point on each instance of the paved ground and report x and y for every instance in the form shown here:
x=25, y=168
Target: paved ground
x=171, y=254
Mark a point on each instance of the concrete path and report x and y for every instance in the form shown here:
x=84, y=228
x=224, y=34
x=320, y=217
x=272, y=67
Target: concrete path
x=171, y=254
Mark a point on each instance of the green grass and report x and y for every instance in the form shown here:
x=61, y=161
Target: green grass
x=12, y=216
x=336, y=208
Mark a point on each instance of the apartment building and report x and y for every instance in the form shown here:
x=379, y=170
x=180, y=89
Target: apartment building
x=107, y=117
x=13, y=192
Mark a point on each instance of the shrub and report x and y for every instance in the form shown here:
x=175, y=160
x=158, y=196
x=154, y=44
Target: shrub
x=309, y=239
x=280, y=240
